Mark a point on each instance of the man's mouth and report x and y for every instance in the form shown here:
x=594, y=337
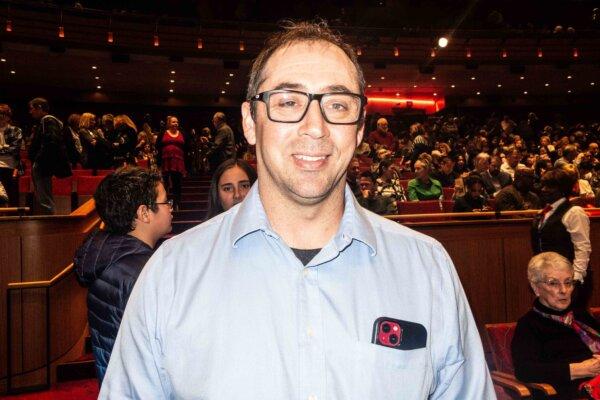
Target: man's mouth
x=304, y=157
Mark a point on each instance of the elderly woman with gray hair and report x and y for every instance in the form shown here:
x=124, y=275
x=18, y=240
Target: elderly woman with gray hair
x=553, y=343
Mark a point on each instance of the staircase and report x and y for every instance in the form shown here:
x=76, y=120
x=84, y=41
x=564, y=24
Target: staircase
x=194, y=203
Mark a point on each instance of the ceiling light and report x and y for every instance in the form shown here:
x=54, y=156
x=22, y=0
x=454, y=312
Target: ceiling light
x=397, y=94
x=2, y=59
x=383, y=77
x=171, y=90
x=98, y=87
x=452, y=86
x=94, y=67
x=415, y=86
x=569, y=91
x=242, y=45
x=540, y=53
x=433, y=78
x=432, y=54
x=96, y=77
x=525, y=92
x=442, y=42
x=200, y=44
x=222, y=92
x=504, y=53
x=156, y=41
x=110, y=37
x=172, y=81
x=499, y=85
x=61, y=32
x=358, y=51
x=9, y=26
x=521, y=77
x=396, y=51
x=230, y=74
x=569, y=77
x=227, y=83
x=478, y=93
x=435, y=94
x=546, y=84
x=173, y=72
x=468, y=53
x=369, y=85
x=575, y=52
x=14, y=72
x=591, y=83
x=472, y=78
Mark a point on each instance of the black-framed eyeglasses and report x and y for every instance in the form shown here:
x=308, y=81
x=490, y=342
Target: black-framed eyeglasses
x=169, y=202
x=290, y=106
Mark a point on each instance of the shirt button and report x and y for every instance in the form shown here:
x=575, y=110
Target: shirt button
x=310, y=332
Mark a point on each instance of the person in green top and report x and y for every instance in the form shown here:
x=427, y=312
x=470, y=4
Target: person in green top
x=423, y=187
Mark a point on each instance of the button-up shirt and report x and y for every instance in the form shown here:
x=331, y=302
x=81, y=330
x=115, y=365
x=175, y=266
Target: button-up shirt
x=226, y=311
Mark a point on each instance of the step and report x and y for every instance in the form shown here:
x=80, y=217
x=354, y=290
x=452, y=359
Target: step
x=193, y=205
x=189, y=215
x=82, y=368
x=182, y=226
x=194, y=197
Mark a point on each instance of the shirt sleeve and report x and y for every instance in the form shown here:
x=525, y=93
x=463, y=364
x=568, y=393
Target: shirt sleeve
x=577, y=224
x=461, y=371
x=135, y=370
x=412, y=191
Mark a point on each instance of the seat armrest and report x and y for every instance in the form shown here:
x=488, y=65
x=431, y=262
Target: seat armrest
x=514, y=386
x=545, y=388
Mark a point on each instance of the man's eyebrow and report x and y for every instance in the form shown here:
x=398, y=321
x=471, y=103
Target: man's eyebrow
x=338, y=89
x=289, y=85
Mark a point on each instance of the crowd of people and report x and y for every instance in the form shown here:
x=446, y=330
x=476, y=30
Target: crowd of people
x=491, y=163
x=87, y=141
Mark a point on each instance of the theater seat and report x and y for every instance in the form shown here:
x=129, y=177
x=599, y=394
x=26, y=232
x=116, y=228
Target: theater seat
x=448, y=193
x=83, y=172
x=419, y=207
x=499, y=337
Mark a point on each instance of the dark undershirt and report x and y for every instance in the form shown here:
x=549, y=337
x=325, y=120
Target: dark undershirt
x=305, y=255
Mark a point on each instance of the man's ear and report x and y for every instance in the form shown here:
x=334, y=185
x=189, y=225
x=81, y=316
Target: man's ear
x=361, y=129
x=143, y=213
x=248, y=123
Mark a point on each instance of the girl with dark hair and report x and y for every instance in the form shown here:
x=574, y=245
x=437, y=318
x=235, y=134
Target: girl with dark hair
x=229, y=185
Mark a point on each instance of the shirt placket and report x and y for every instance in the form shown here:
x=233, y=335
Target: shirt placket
x=312, y=356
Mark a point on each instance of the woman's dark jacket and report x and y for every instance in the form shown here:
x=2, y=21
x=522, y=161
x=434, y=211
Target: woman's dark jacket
x=542, y=349
x=108, y=264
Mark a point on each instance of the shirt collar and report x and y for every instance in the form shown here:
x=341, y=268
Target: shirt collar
x=355, y=225
x=558, y=203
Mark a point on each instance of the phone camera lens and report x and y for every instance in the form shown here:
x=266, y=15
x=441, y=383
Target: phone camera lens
x=386, y=328
x=393, y=338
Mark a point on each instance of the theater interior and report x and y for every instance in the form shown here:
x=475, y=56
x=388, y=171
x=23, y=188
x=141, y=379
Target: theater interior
x=192, y=59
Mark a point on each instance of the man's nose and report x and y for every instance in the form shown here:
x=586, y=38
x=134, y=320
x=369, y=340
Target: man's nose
x=313, y=123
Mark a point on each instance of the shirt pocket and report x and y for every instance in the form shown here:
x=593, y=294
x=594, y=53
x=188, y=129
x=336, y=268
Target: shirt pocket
x=387, y=373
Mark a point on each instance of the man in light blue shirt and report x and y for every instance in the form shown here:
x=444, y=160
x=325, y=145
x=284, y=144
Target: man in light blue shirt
x=278, y=297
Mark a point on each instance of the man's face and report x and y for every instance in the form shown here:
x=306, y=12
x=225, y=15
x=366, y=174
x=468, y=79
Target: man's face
x=513, y=159
x=494, y=165
x=36, y=113
x=475, y=190
x=307, y=160
x=161, y=219
x=447, y=166
x=593, y=148
x=366, y=184
x=354, y=169
x=482, y=164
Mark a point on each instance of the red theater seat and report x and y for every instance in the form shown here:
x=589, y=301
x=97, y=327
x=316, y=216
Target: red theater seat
x=62, y=187
x=143, y=164
x=448, y=193
x=104, y=172
x=86, y=185
x=83, y=172
x=419, y=207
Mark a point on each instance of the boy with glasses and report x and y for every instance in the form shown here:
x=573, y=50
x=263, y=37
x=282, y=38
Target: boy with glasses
x=132, y=203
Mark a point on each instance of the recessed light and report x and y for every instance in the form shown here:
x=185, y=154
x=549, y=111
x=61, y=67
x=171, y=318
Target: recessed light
x=435, y=94
x=433, y=78
x=442, y=42
x=172, y=80
x=12, y=71
x=227, y=83
x=499, y=85
x=171, y=90
x=569, y=91
x=415, y=86
x=98, y=87
x=452, y=86
x=591, y=83
x=94, y=67
x=222, y=92
x=383, y=77
x=368, y=85
x=96, y=77
x=569, y=77
x=525, y=92
x=472, y=78
x=2, y=59
x=230, y=74
x=478, y=93
x=546, y=84
x=172, y=72
x=521, y=77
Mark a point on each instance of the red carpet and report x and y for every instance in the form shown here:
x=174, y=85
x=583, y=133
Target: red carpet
x=85, y=389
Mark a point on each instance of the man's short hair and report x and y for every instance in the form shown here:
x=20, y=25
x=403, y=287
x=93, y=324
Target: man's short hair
x=472, y=179
x=299, y=32
x=366, y=174
x=219, y=116
x=39, y=103
x=119, y=195
x=558, y=178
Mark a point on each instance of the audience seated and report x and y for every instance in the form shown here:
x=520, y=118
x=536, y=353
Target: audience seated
x=371, y=199
x=423, y=187
x=473, y=200
x=519, y=195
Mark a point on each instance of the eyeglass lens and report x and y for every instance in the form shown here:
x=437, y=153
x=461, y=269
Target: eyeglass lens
x=336, y=107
